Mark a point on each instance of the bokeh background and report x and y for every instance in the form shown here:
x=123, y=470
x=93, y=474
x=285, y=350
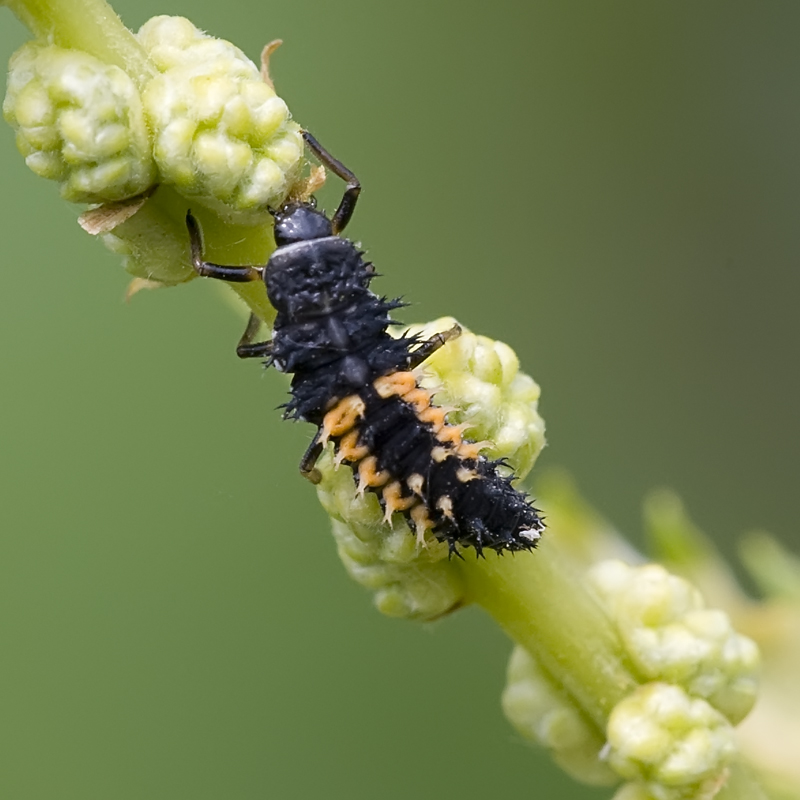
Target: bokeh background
x=611, y=187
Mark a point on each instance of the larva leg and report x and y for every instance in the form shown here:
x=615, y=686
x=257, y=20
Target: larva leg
x=429, y=347
x=307, y=464
x=348, y=204
x=208, y=270
x=247, y=348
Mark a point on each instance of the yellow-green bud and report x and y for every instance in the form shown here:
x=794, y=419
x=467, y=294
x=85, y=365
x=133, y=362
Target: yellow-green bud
x=222, y=136
x=79, y=122
x=407, y=581
x=670, y=635
x=677, y=745
x=633, y=791
x=543, y=713
x=481, y=378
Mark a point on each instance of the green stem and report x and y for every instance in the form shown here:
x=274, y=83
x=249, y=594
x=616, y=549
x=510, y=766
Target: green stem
x=226, y=243
x=539, y=600
x=160, y=229
x=88, y=25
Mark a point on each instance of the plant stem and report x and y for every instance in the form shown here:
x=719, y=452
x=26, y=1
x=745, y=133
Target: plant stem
x=226, y=243
x=539, y=600
x=88, y=25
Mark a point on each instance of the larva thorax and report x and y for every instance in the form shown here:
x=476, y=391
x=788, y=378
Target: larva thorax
x=331, y=330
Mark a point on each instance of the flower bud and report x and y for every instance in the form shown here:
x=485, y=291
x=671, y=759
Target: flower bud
x=79, y=122
x=407, y=581
x=677, y=745
x=222, y=136
x=670, y=635
x=480, y=377
x=543, y=713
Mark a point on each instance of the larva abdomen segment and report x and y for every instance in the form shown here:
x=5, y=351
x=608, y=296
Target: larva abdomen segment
x=401, y=448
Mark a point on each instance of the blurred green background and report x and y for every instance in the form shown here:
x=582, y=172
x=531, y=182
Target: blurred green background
x=610, y=187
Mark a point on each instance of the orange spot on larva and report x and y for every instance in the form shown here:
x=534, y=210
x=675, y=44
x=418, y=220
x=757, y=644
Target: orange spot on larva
x=369, y=476
x=422, y=522
x=397, y=383
x=445, y=505
x=416, y=482
x=451, y=434
x=419, y=398
x=433, y=416
x=472, y=450
x=394, y=501
x=349, y=449
x=342, y=417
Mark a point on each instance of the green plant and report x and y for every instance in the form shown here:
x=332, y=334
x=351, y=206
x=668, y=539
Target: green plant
x=591, y=671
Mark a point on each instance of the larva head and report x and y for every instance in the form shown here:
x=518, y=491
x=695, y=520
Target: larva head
x=299, y=222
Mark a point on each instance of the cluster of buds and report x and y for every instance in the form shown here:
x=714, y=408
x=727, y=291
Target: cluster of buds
x=672, y=737
x=79, y=122
x=205, y=122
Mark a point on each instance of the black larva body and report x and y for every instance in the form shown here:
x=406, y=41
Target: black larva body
x=330, y=330
x=354, y=381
